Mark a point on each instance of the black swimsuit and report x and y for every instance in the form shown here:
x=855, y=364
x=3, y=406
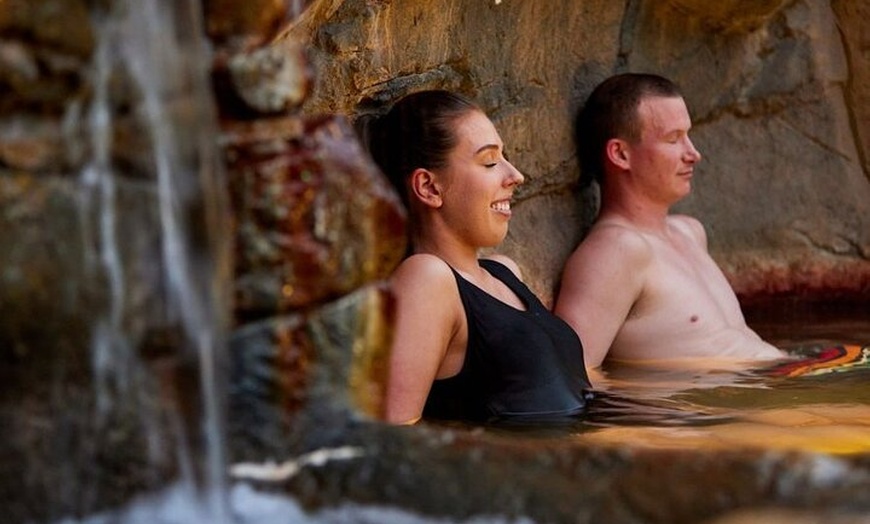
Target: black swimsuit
x=520, y=365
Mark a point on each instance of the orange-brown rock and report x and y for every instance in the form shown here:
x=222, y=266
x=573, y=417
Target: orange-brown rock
x=777, y=91
x=297, y=376
x=256, y=21
x=314, y=218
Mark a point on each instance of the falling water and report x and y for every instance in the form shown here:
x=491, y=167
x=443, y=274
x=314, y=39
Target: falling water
x=183, y=176
x=158, y=47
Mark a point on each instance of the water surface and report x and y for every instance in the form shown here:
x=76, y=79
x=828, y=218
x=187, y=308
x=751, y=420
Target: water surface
x=673, y=406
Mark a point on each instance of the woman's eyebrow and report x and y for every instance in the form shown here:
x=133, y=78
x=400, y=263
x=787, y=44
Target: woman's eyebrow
x=486, y=147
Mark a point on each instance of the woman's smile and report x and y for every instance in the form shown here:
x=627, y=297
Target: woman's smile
x=502, y=206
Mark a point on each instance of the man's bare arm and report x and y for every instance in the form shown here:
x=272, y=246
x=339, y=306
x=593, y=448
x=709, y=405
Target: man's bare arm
x=602, y=280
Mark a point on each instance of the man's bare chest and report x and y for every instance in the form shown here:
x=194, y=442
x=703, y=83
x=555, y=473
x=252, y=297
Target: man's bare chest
x=682, y=283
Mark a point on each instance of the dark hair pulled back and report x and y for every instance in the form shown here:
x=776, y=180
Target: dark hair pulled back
x=416, y=132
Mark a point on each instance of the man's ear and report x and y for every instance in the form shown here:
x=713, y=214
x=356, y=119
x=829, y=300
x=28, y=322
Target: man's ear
x=425, y=187
x=617, y=152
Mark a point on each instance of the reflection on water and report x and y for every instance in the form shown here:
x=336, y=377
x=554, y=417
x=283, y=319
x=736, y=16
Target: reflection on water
x=791, y=322
x=670, y=406
x=173, y=506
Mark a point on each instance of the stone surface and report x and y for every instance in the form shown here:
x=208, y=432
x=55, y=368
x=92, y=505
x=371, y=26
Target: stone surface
x=272, y=79
x=298, y=381
x=53, y=283
x=100, y=397
x=229, y=23
x=43, y=52
x=314, y=219
x=460, y=474
x=780, y=110
x=81, y=432
x=775, y=90
x=851, y=23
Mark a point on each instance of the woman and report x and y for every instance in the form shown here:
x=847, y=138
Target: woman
x=472, y=342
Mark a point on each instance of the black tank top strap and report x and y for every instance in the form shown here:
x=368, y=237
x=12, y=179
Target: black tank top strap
x=503, y=273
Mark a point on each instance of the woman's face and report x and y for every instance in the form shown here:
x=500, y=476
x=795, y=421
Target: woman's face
x=478, y=183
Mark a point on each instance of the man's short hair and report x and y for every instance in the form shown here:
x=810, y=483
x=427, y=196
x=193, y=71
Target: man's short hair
x=611, y=112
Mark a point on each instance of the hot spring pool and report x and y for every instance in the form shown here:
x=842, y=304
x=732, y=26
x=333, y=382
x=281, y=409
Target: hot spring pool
x=669, y=406
x=660, y=444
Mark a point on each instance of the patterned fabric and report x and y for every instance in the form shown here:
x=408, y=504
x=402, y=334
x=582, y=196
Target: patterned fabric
x=832, y=359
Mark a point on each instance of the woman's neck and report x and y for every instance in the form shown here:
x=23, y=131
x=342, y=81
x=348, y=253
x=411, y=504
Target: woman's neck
x=459, y=257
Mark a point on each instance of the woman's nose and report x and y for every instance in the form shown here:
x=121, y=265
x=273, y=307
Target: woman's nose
x=514, y=177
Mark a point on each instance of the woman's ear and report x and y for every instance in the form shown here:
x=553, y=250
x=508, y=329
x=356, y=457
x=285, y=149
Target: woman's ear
x=425, y=187
x=617, y=152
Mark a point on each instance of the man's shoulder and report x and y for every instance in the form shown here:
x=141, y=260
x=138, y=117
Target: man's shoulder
x=613, y=243
x=690, y=226
x=618, y=234
x=685, y=221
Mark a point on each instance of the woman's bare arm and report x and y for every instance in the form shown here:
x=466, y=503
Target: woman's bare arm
x=426, y=324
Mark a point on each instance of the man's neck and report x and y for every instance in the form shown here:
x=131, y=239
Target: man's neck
x=640, y=213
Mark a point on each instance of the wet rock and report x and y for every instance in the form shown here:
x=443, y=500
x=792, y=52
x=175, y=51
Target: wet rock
x=299, y=380
x=755, y=277
x=99, y=391
x=851, y=20
x=314, y=218
x=31, y=153
x=78, y=437
x=458, y=474
x=727, y=16
x=774, y=89
x=43, y=53
x=778, y=106
x=786, y=516
x=272, y=79
x=255, y=21
x=53, y=280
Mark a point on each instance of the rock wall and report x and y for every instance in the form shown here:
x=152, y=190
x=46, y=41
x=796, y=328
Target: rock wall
x=778, y=92
x=315, y=231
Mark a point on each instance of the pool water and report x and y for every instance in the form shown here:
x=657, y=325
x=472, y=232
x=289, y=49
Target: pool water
x=676, y=406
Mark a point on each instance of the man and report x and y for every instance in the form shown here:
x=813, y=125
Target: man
x=642, y=286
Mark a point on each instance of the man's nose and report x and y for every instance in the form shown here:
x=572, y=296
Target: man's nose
x=692, y=154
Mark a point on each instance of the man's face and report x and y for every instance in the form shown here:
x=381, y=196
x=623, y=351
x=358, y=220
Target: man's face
x=663, y=159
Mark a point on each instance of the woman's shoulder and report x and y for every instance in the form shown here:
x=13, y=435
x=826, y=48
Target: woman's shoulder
x=426, y=286
x=425, y=264
x=422, y=272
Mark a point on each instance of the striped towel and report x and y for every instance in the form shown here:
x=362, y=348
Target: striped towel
x=830, y=359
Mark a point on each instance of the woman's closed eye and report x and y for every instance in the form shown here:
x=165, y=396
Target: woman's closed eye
x=491, y=160
x=496, y=159
x=490, y=155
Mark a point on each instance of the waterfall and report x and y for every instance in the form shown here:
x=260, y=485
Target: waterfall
x=158, y=48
